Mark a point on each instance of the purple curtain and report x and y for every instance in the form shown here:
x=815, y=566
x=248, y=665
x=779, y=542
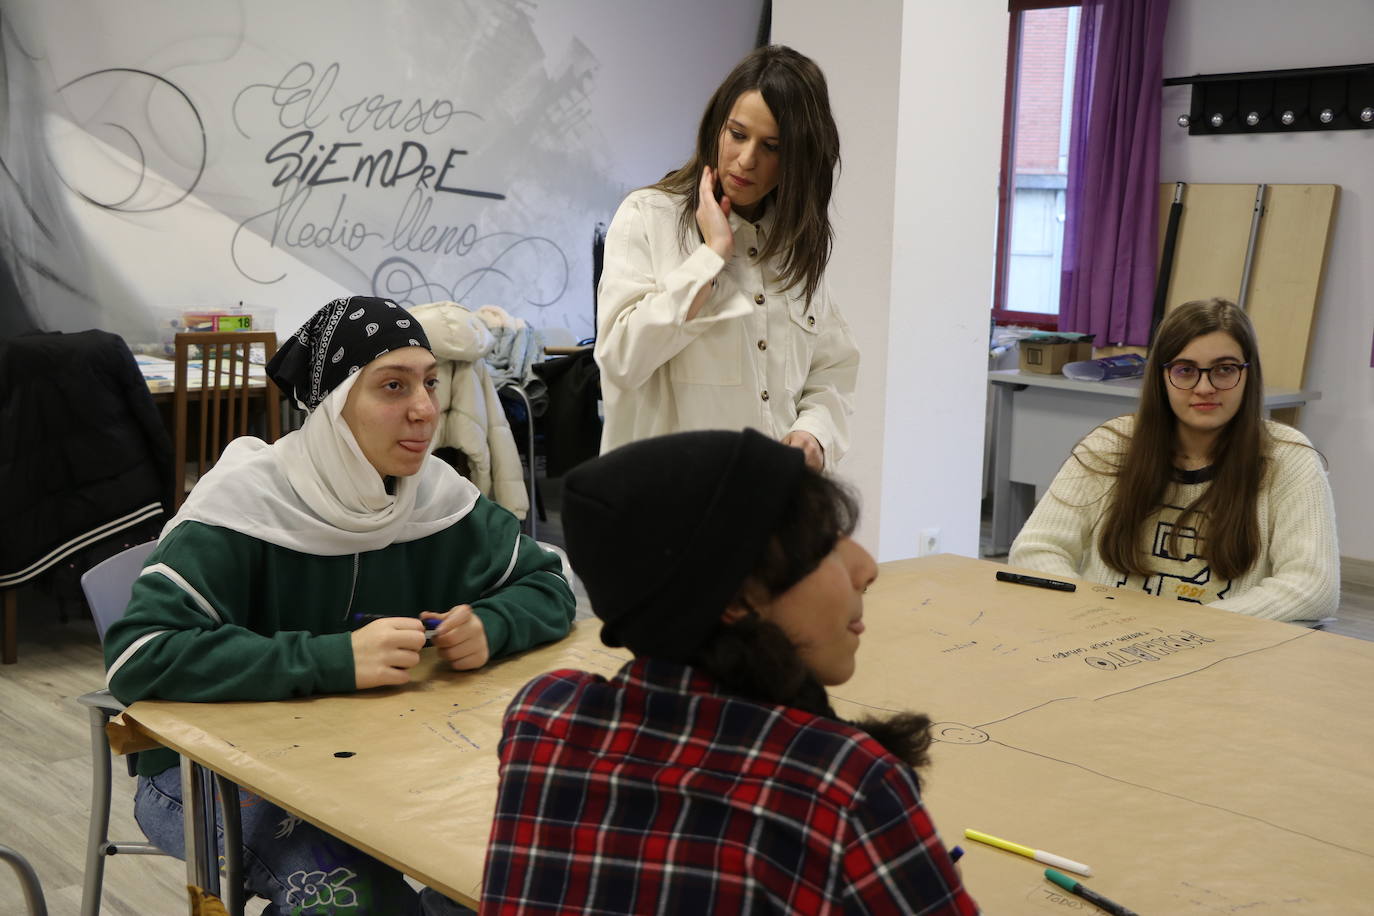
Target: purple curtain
x=1111, y=230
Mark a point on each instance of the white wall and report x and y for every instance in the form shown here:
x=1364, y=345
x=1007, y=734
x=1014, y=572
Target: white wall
x=916, y=211
x=1224, y=36
x=862, y=63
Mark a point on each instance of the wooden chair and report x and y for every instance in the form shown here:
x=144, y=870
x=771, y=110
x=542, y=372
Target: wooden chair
x=223, y=387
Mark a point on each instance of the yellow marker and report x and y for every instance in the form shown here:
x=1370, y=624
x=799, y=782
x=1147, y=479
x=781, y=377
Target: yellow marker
x=1038, y=855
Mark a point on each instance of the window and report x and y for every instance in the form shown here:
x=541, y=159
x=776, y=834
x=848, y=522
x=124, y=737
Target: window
x=1035, y=142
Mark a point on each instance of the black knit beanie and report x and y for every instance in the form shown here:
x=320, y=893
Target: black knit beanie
x=663, y=532
x=337, y=341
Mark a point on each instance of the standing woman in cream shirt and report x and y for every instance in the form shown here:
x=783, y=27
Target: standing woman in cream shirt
x=713, y=311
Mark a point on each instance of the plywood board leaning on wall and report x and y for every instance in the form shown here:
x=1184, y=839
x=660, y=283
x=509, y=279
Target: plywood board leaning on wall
x=1286, y=279
x=1209, y=256
x=1286, y=267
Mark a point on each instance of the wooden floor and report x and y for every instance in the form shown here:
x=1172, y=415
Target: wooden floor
x=45, y=777
x=45, y=767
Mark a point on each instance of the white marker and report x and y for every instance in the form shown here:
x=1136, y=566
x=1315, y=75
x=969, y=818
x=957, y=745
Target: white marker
x=1038, y=855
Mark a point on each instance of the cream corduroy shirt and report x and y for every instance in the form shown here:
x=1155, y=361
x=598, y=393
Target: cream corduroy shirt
x=1297, y=574
x=755, y=355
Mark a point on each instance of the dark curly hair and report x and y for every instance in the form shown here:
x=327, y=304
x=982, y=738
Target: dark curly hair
x=754, y=659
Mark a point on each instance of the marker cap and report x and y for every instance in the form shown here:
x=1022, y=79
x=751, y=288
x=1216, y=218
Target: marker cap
x=1050, y=858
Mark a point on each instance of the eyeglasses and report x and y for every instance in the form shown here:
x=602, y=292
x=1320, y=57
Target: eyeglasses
x=1223, y=376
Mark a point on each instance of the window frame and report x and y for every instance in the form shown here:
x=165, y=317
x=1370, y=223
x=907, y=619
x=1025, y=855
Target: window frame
x=1001, y=315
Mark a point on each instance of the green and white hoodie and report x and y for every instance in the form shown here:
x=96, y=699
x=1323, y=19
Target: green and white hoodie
x=218, y=614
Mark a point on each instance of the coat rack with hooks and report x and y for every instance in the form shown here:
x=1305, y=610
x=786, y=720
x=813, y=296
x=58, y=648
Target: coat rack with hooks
x=1280, y=101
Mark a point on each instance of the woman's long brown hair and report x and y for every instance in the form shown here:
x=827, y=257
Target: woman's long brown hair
x=794, y=89
x=1240, y=458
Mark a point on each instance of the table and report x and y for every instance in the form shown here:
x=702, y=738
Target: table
x=1037, y=419
x=159, y=375
x=389, y=770
x=1201, y=762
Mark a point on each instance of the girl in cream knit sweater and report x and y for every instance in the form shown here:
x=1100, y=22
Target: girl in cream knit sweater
x=1196, y=496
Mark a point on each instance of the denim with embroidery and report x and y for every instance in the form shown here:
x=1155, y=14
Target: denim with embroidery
x=301, y=869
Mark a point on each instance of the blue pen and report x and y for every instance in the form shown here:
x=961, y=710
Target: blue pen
x=430, y=623
x=956, y=853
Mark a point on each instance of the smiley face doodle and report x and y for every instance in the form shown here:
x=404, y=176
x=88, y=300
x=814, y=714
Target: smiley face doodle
x=957, y=733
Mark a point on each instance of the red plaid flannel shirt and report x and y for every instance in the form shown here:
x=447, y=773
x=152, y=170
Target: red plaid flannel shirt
x=655, y=793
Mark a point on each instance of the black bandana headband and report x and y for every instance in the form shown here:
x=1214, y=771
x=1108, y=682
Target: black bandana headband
x=337, y=341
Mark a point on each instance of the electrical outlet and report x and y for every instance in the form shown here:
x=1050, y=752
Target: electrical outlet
x=929, y=543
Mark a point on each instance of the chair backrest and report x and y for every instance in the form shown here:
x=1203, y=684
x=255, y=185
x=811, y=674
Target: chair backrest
x=222, y=380
x=108, y=584
x=598, y=258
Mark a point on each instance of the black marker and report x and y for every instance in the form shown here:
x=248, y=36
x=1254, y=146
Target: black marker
x=1087, y=893
x=1019, y=579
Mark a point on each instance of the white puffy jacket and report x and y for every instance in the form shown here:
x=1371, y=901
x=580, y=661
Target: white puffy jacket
x=472, y=420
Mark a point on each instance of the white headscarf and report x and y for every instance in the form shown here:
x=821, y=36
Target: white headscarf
x=315, y=492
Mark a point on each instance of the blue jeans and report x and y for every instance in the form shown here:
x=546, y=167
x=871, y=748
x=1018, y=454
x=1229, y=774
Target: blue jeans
x=301, y=869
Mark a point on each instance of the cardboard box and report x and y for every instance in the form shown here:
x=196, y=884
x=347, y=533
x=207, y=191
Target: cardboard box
x=1048, y=356
x=217, y=321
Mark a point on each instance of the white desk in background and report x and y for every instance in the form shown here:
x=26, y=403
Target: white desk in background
x=159, y=375
x=1036, y=419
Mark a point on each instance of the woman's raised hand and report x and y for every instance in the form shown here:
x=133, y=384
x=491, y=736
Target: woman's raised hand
x=712, y=217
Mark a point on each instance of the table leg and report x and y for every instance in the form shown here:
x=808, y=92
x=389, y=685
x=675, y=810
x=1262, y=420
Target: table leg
x=198, y=814
x=233, y=845
x=1001, y=469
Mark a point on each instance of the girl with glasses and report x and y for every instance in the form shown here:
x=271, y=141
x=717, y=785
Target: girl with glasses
x=712, y=307
x=1196, y=496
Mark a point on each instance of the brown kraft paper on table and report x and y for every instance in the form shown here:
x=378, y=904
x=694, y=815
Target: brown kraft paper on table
x=1199, y=761
x=407, y=774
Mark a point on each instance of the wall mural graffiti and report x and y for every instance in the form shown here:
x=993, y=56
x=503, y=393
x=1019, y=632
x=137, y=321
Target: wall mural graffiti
x=419, y=170
x=128, y=203
x=281, y=154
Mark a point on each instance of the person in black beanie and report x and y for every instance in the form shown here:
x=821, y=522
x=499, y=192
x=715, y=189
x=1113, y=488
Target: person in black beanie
x=711, y=774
